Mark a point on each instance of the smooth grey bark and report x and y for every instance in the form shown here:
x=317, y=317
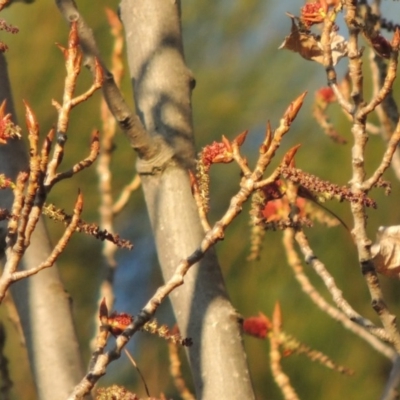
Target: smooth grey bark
x=162, y=87
x=42, y=303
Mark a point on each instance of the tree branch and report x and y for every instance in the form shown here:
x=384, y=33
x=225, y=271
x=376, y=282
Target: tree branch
x=128, y=122
x=51, y=340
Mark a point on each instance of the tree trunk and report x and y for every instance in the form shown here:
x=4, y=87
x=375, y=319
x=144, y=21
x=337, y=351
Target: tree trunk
x=162, y=86
x=43, y=305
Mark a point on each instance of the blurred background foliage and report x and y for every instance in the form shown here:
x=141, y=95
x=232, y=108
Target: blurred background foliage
x=243, y=80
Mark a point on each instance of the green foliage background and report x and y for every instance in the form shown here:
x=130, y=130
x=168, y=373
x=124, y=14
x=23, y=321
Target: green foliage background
x=242, y=81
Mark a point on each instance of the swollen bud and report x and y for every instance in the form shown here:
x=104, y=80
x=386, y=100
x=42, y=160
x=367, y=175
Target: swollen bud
x=268, y=139
x=239, y=140
x=288, y=158
x=103, y=310
x=30, y=118
x=294, y=108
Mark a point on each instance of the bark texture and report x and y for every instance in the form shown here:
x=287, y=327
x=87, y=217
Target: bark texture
x=42, y=303
x=162, y=87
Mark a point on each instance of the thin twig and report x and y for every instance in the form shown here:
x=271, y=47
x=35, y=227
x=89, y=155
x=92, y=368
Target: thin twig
x=387, y=85
x=73, y=58
x=175, y=371
x=132, y=360
x=321, y=303
x=125, y=194
x=386, y=159
x=337, y=295
x=281, y=379
x=103, y=169
x=89, y=228
x=30, y=212
x=386, y=111
x=58, y=248
x=83, y=164
x=391, y=389
x=128, y=122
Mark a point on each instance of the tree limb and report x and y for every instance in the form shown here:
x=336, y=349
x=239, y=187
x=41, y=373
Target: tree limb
x=42, y=303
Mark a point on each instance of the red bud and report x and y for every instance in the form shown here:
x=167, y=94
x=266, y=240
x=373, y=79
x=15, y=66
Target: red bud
x=239, y=140
x=289, y=156
x=31, y=121
x=294, y=108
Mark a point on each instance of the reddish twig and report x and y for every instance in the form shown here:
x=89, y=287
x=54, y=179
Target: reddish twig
x=73, y=59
